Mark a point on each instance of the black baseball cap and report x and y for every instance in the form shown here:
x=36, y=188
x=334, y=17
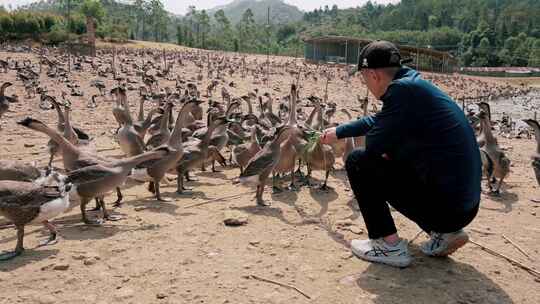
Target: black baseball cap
x=380, y=54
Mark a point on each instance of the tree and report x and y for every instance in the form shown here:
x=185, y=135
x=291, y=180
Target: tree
x=204, y=23
x=534, y=57
x=179, y=34
x=246, y=28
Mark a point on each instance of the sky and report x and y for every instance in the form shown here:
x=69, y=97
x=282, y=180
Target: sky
x=180, y=7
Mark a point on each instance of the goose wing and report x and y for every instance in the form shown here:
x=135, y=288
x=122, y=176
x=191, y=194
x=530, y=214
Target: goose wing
x=15, y=194
x=89, y=174
x=261, y=161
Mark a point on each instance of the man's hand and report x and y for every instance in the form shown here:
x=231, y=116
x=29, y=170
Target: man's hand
x=329, y=136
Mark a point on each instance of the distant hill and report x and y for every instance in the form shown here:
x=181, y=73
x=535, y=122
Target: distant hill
x=280, y=12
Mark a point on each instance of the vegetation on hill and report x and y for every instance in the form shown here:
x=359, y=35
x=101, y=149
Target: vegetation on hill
x=477, y=32
x=142, y=19
x=280, y=13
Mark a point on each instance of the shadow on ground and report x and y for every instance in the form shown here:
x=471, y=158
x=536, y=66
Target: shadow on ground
x=428, y=280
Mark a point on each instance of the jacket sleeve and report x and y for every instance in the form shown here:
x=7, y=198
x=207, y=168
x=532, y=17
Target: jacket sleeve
x=390, y=123
x=355, y=128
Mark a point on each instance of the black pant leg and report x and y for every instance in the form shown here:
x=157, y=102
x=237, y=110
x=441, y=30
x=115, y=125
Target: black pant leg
x=367, y=176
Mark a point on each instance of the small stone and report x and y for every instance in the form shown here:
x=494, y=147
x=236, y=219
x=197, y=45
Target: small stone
x=346, y=256
x=29, y=145
x=161, y=295
x=44, y=299
x=78, y=257
x=90, y=261
x=61, y=267
x=254, y=242
x=124, y=294
x=533, y=213
x=344, y=223
x=235, y=218
x=139, y=208
x=356, y=230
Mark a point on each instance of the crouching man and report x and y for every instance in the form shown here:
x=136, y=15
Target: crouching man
x=421, y=157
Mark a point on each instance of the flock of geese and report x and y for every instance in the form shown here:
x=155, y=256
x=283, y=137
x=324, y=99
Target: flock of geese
x=173, y=138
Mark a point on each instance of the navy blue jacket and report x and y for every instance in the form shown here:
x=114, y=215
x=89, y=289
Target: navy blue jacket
x=423, y=128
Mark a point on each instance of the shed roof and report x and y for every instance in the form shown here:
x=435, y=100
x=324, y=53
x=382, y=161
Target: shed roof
x=407, y=48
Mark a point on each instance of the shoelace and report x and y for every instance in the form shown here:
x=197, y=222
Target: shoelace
x=437, y=239
x=379, y=249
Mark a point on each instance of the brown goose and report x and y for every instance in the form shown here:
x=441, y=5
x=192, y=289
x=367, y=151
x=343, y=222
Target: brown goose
x=269, y=113
x=26, y=202
x=319, y=157
x=262, y=164
x=4, y=101
x=196, y=153
x=536, y=156
x=155, y=173
x=220, y=137
x=486, y=109
x=18, y=171
x=129, y=139
x=98, y=180
x=72, y=156
x=241, y=154
x=354, y=142
x=494, y=162
x=164, y=133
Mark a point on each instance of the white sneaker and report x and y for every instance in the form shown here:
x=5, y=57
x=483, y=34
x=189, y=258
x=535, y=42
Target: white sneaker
x=379, y=251
x=443, y=244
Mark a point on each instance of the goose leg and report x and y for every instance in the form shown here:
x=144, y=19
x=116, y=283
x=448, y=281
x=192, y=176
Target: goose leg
x=106, y=214
x=180, y=182
x=19, y=248
x=275, y=187
x=85, y=219
x=98, y=206
x=189, y=179
x=325, y=187
x=293, y=186
x=158, y=192
x=119, y=198
x=151, y=187
x=498, y=190
x=51, y=160
x=308, y=178
x=299, y=170
x=53, y=237
x=258, y=196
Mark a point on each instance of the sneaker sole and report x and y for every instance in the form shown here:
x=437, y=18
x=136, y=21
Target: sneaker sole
x=458, y=242
x=386, y=260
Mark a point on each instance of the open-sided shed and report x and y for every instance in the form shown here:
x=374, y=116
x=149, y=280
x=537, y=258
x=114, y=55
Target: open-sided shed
x=345, y=50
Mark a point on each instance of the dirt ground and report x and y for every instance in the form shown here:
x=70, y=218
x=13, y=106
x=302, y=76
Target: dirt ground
x=181, y=251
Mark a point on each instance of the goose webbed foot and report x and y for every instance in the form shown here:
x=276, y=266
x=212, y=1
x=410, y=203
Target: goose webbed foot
x=51, y=240
x=181, y=190
x=151, y=187
x=325, y=187
x=262, y=203
x=190, y=179
x=113, y=217
x=119, y=198
x=276, y=189
x=308, y=182
x=293, y=187
x=96, y=208
x=10, y=255
x=495, y=193
x=95, y=222
x=214, y=167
